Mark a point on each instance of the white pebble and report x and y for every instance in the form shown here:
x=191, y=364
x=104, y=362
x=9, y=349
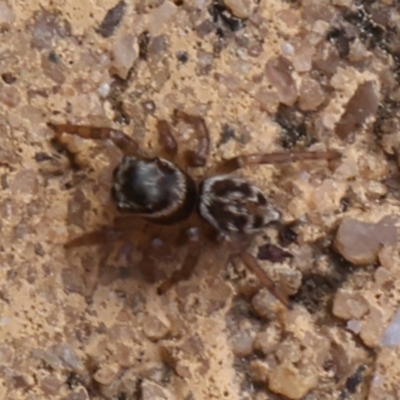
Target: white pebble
x=391, y=337
x=125, y=53
x=354, y=325
x=287, y=48
x=104, y=90
x=4, y=321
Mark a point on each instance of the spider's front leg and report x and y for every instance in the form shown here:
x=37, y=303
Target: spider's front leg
x=197, y=158
x=189, y=263
x=167, y=139
x=125, y=143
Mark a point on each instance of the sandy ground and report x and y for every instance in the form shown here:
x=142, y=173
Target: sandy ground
x=266, y=76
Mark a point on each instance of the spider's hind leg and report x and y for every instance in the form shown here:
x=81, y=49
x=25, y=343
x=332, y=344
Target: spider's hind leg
x=251, y=263
x=235, y=163
x=105, y=237
x=189, y=263
x=98, y=237
x=153, y=251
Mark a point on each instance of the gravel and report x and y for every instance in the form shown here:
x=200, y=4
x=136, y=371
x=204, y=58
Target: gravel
x=391, y=337
x=79, y=324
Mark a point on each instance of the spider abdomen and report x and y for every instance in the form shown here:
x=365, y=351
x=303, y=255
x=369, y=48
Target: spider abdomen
x=154, y=188
x=234, y=206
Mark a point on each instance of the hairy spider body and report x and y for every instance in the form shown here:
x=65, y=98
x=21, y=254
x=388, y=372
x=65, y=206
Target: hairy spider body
x=155, y=189
x=162, y=192
x=233, y=206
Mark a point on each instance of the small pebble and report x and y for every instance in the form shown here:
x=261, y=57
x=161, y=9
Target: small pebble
x=279, y=73
x=289, y=381
x=47, y=26
x=162, y=17
x=50, y=385
x=289, y=350
x=391, y=337
x=265, y=304
x=359, y=242
x=8, y=78
x=106, y=374
x=354, y=325
x=267, y=99
x=25, y=185
x=149, y=106
x=7, y=14
x=156, y=327
x=267, y=340
x=358, y=51
x=382, y=275
x=290, y=281
x=9, y=95
x=48, y=357
x=69, y=357
x=242, y=343
x=303, y=57
x=104, y=90
x=125, y=53
x=363, y=104
x=349, y=305
x=311, y=94
x=112, y=19
x=182, y=56
x=240, y=8
x=259, y=371
x=6, y=354
x=152, y=391
x=79, y=393
x=129, y=380
x=273, y=253
x=372, y=329
x=53, y=68
x=287, y=48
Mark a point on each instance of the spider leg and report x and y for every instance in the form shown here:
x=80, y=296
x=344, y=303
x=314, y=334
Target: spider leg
x=100, y=236
x=190, y=262
x=251, y=263
x=197, y=158
x=125, y=143
x=147, y=265
x=104, y=237
x=167, y=139
x=235, y=163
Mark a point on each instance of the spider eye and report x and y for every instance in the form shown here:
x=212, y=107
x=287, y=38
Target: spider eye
x=153, y=188
x=234, y=206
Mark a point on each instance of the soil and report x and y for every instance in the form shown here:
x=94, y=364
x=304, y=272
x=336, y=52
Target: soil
x=278, y=75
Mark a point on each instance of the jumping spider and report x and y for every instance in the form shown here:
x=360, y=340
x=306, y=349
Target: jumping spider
x=160, y=190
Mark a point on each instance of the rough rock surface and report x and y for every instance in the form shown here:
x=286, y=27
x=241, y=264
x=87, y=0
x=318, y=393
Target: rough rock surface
x=277, y=75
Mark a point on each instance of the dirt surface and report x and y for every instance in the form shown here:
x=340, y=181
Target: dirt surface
x=267, y=76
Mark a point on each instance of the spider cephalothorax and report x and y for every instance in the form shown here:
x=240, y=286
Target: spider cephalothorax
x=161, y=191
x=153, y=188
